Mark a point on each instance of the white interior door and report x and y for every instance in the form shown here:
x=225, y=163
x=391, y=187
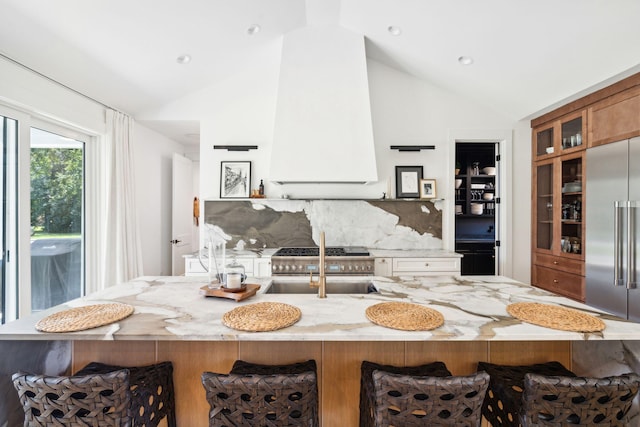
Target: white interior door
x=182, y=213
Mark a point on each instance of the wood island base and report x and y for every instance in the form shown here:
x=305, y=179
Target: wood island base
x=338, y=364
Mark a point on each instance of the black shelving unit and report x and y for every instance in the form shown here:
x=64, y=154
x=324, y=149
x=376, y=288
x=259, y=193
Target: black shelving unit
x=475, y=231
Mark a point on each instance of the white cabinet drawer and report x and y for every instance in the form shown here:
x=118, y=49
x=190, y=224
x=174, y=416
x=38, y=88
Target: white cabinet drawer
x=192, y=267
x=419, y=266
x=262, y=267
x=383, y=267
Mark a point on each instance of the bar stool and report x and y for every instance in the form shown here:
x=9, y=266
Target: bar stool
x=550, y=395
x=152, y=391
x=94, y=399
x=263, y=395
x=419, y=396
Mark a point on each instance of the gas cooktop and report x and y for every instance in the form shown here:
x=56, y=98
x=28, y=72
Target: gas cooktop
x=340, y=251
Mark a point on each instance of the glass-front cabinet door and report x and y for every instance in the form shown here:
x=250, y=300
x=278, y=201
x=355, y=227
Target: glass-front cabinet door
x=544, y=144
x=571, y=230
x=559, y=197
x=544, y=203
x=562, y=136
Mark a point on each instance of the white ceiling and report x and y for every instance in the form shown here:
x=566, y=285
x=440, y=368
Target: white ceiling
x=530, y=55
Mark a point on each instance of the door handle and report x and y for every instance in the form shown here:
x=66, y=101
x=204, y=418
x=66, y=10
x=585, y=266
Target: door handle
x=631, y=245
x=617, y=243
x=175, y=241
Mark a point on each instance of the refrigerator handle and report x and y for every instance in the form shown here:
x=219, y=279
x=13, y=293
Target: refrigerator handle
x=617, y=243
x=631, y=247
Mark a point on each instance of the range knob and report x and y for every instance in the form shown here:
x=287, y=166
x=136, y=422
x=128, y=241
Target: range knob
x=286, y=267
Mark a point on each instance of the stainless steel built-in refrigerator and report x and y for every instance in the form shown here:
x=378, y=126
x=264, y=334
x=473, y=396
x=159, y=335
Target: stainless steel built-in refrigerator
x=613, y=222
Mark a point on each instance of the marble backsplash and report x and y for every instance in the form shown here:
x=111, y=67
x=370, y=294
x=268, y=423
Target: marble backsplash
x=375, y=224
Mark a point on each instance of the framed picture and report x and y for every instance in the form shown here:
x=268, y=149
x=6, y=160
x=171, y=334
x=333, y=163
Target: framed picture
x=427, y=188
x=408, y=182
x=235, y=180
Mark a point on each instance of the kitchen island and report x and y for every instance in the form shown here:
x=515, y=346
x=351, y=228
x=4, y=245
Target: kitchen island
x=173, y=321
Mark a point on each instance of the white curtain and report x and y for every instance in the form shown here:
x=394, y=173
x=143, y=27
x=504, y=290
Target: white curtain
x=123, y=255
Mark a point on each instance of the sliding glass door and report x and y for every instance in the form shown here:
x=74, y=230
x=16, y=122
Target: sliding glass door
x=8, y=223
x=57, y=219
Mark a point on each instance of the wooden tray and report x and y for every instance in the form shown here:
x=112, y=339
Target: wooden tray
x=238, y=296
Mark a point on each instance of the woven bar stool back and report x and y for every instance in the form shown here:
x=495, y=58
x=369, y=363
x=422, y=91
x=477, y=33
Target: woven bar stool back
x=88, y=400
x=263, y=395
x=367, y=390
x=502, y=403
x=152, y=392
x=407, y=401
x=578, y=401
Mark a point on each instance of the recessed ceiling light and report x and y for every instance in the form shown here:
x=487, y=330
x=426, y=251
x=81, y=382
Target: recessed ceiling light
x=183, y=59
x=465, y=60
x=254, y=29
x=395, y=31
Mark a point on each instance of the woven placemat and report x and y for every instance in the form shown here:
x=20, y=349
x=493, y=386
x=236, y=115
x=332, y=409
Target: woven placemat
x=81, y=318
x=555, y=317
x=262, y=316
x=405, y=316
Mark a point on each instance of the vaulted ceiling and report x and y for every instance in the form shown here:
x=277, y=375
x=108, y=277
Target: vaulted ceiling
x=528, y=55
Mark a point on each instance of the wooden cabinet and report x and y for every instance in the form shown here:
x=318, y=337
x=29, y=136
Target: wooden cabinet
x=615, y=118
x=557, y=219
x=561, y=136
x=607, y=115
x=559, y=282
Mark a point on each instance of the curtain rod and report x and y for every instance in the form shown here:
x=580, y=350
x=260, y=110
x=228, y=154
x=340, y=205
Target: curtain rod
x=20, y=64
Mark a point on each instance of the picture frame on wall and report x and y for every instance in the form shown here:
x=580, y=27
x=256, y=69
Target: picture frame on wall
x=235, y=180
x=408, y=182
x=427, y=188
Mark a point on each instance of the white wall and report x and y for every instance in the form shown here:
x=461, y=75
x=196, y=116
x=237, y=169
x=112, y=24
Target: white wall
x=405, y=110
x=241, y=110
x=153, y=161
x=23, y=89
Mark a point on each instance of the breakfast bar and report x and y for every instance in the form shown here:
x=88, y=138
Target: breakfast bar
x=172, y=320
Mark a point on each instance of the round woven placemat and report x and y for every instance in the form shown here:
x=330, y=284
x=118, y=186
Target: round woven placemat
x=405, y=316
x=81, y=318
x=262, y=316
x=555, y=317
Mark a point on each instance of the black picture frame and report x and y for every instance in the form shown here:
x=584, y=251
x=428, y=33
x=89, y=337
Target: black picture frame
x=408, y=182
x=235, y=180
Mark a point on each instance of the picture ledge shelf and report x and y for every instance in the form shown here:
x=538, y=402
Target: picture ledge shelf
x=412, y=147
x=235, y=147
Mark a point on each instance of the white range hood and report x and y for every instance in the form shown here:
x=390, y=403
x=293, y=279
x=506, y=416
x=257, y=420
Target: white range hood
x=323, y=131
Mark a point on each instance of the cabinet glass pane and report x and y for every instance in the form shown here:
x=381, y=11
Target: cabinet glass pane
x=544, y=142
x=544, y=205
x=572, y=133
x=571, y=217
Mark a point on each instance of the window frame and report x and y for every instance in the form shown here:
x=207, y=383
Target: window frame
x=18, y=294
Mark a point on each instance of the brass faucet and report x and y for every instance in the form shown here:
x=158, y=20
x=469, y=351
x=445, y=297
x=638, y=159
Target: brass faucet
x=322, y=280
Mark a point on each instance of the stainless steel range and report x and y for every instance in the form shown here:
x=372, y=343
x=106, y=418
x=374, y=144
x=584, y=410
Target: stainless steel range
x=341, y=260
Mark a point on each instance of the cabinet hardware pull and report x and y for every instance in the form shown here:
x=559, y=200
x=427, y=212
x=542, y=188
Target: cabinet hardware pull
x=426, y=264
x=555, y=262
x=555, y=280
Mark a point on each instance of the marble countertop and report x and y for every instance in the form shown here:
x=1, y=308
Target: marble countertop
x=474, y=308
